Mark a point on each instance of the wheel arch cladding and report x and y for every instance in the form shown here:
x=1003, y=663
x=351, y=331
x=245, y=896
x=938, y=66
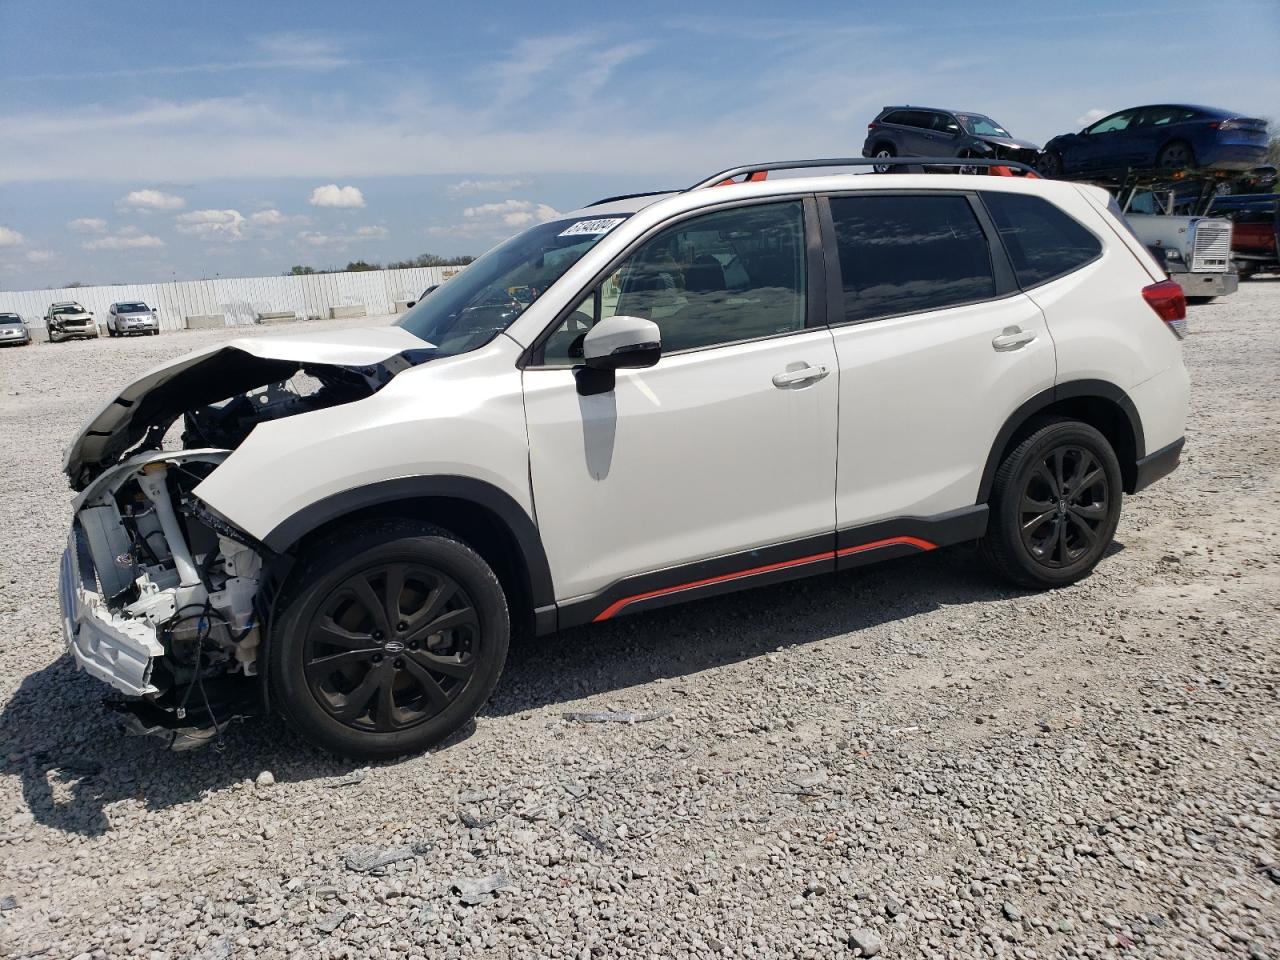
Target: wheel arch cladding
x=1100, y=404
x=489, y=520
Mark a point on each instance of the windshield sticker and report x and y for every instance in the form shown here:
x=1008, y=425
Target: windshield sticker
x=583, y=227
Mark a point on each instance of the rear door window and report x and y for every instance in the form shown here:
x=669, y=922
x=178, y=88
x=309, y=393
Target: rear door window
x=1043, y=242
x=908, y=254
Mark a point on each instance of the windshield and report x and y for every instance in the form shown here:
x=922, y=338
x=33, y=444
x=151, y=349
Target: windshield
x=982, y=126
x=133, y=308
x=7, y=318
x=484, y=299
x=68, y=308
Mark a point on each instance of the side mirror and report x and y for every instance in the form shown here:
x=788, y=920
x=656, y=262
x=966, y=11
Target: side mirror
x=622, y=342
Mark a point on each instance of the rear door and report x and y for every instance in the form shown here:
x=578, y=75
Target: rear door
x=937, y=348
x=918, y=136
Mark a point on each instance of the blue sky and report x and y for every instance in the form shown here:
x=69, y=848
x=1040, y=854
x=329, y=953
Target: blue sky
x=149, y=141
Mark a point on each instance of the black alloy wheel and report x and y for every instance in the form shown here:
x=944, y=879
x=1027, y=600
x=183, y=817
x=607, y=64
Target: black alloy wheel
x=391, y=647
x=1054, y=505
x=1050, y=164
x=389, y=637
x=1064, y=506
x=1176, y=156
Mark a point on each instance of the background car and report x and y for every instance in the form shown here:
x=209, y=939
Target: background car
x=1255, y=235
x=132, y=316
x=67, y=319
x=1163, y=137
x=929, y=132
x=13, y=331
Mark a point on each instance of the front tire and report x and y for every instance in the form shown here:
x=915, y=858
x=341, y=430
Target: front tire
x=1055, y=505
x=1050, y=164
x=390, y=637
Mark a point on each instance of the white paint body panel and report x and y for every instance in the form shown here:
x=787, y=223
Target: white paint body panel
x=922, y=398
x=702, y=455
x=697, y=457
x=458, y=416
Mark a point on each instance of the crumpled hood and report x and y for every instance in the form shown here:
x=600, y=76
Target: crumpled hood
x=1009, y=143
x=73, y=317
x=225, y=370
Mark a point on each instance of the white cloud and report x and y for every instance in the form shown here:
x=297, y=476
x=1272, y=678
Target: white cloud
x=1089, y=116
x=10, y=238
x=40, y=256
x=87, y=225
x=486, y=186
x=273, y=218
x=127, y=238
x=332, y=195
x=514, y=213
x=315, y=238
x=211, y=225
x=151, y=200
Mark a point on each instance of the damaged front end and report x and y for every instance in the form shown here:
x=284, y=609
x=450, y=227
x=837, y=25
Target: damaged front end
x=160, y=604
x=162, y=598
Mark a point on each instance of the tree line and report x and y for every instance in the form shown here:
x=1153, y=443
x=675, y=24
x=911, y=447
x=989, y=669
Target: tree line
x=422, y=260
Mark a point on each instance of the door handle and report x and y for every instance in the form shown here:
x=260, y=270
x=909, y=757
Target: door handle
x=1013, y=338
x=806, y=374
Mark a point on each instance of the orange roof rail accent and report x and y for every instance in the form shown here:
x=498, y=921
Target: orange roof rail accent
x=754, y=177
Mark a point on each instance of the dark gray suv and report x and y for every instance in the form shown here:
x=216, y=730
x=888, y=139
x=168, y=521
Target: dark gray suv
x=928, y=132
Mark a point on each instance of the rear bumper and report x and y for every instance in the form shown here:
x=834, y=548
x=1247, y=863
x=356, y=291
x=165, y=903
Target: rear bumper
x=1158, y=465
x=1206, y=284
x=1232, y=156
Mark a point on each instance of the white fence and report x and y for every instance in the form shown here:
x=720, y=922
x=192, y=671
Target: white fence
x=239, y=299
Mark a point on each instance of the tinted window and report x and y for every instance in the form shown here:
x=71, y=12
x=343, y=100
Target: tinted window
x=919, y=118
x=734, y=275
x=1043, y=242
x=1163, y=116
x=909, y=254
x=895, y=116
x=945, y=123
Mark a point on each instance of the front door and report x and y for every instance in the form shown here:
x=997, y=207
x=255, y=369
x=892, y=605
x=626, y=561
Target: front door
x=716, y=464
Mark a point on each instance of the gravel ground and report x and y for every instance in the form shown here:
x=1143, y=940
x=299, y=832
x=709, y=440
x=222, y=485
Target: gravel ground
x=908, y=760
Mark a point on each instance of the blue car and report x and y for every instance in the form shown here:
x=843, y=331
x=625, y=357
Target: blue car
x=1167, y=137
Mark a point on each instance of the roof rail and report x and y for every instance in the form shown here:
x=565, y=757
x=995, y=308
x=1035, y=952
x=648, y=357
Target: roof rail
x=919, y=162
x=630, y=196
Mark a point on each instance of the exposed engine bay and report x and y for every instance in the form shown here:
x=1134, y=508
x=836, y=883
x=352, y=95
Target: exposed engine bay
x=160, y=597
x=163, y=598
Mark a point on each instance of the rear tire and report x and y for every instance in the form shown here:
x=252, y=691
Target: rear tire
x=883, y=151
x=1175, y=156
x=1055, y=505
x=389, y=638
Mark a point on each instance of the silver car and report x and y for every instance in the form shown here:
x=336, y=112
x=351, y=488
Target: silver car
x=67, y=319
x=131, y=317
x=13, y=331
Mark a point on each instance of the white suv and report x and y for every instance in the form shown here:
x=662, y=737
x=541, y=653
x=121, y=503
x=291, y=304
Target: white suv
x=654, y=399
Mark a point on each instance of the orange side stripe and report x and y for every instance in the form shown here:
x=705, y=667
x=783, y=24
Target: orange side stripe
x=614, y=607
x=874, y=544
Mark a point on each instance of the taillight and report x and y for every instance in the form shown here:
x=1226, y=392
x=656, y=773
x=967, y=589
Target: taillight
x=1169, y=303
